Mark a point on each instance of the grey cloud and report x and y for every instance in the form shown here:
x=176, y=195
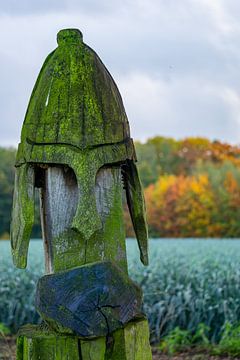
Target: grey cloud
x=187, y=107
x=174, y=50
x=29, y=7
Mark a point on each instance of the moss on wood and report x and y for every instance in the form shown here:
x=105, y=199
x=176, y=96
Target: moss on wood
x=75, y=100
x=130, y=343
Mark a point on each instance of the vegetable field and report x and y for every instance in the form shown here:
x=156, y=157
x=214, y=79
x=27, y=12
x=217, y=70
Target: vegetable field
x=188, y=282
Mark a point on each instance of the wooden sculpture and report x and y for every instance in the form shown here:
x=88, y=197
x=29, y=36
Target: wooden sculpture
x=76, y=149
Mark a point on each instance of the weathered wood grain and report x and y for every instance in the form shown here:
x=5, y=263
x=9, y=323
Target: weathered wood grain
x=90, y=301
x=75, y=99
x=22, y=214
x=93, y=350
x=136, y=205
x=75, y=146
x=34, y=344
x=76, y=118
x=58, y=203
x=130, y=343
x=66, y=248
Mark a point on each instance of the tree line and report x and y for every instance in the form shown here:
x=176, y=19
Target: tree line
x=192, y=188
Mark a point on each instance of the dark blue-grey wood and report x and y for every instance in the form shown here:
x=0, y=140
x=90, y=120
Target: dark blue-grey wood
x=91, y=301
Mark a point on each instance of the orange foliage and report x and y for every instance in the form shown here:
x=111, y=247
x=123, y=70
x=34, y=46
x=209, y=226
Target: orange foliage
x=180, y=205
x=195, y=187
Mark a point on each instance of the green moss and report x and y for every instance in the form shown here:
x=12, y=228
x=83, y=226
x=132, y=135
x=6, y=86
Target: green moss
x=86, y=226
x=114, y=231
x=130, y=343
x=22, y=214
x=76, y=118
x=75, y=100
x=76, y=105
x=19, y=352
x=93, y=350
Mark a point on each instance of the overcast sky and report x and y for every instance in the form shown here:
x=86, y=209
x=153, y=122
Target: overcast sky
x=176, y=63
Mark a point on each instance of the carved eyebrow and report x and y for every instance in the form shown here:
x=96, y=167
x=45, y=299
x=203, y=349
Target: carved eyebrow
x=124, y=141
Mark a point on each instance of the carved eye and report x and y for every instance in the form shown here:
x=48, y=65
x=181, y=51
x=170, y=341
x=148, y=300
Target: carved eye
x=59, y=196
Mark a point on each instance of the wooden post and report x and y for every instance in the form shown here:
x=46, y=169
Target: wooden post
x=76, y=149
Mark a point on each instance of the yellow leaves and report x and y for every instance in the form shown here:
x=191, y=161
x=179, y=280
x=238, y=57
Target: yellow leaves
x=164, y=183
x=195, y=187
x=180, y=205
x=230, y=183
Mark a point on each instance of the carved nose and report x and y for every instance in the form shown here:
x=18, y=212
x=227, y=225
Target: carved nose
x=86, y=220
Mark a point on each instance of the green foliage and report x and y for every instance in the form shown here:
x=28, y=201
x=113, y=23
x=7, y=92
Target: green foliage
x=201, y=335
x=230, y=341
x=179, y=340
x=175, y=341
x=17, y=288
x=4, y=330
x=188, y=282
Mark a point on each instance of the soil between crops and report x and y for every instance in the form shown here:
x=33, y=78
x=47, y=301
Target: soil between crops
x=190, y=355
x=8, y=348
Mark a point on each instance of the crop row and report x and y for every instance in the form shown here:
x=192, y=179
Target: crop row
x=188, y=282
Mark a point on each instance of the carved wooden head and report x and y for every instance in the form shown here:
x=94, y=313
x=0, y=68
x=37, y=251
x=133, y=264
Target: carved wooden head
x=76, y=120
